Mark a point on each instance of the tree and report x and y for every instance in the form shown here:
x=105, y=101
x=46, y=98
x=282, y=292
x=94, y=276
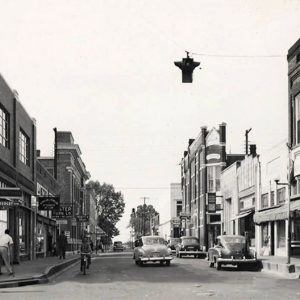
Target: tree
x=142, y=220
x=110, y=207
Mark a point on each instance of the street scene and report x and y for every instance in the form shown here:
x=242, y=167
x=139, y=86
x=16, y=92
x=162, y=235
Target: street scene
x=150, y=149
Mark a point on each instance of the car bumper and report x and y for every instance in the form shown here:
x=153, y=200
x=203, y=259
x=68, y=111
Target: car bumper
x=236, y=261
x=190, y=252
x=160, y=258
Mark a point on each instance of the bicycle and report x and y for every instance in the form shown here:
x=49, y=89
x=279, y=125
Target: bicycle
x=84, y=262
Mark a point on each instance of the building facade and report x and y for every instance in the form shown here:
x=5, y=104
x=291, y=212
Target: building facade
x=17, y=170
x=176, y=209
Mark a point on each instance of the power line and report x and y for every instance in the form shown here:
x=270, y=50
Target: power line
x=236, y=55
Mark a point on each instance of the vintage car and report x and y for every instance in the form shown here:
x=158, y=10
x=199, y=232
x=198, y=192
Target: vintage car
x=231, y=250
x=189, y=245
x=172, y=243
x=118, y=246
x=151, y=249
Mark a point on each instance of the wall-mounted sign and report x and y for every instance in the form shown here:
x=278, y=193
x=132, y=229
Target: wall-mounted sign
x=48, y=202
x=8, y=203
x=215, y=156
x=184, y=215
x=83, y=218
x=211, y=202
x=64, y=212
x=10, y=192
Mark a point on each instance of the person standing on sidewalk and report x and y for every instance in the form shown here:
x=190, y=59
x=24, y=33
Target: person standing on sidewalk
x=62, y=245
x=6, y=245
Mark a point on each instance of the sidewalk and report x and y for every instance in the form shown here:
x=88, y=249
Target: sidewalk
x=36, y=271
x=278, y=264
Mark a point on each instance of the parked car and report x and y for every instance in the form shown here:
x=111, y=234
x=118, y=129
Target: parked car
x=118, y=246
x=172, y=243
x=151, y=249
x=189, y=245
x=231, y=249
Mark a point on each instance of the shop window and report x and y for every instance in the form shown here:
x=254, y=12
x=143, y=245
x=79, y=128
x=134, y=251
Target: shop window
x=281, y=234
x=265, y=235
x=23, y=233
x=40, y=238
x=4, y=127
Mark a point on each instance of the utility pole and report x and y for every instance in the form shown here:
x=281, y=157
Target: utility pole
x=246, y=135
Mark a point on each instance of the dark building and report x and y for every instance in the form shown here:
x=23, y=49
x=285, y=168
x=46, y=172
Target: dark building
x=17, y=170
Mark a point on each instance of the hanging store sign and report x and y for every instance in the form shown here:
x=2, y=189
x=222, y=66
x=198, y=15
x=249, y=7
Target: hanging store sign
x=211, y=202
x=64, y=212
x=48, y=202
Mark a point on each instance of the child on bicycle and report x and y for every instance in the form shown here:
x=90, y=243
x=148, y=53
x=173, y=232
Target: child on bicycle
x=85, y=250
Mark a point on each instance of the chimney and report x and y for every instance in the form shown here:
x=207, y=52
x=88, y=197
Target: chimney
x=253, y=149
x=222, y=132
x=203, y=134
x=38, y=153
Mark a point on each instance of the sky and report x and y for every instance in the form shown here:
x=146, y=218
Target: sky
x=104, y=70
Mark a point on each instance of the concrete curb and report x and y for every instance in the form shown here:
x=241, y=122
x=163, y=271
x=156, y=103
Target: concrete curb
x=40, y=278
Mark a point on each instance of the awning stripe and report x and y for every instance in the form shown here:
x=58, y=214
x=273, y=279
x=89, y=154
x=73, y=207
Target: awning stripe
x=275, y=214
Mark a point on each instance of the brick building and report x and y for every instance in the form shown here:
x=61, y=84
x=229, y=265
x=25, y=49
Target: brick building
x=201, y=168
x=72, y=175
x=17, y=170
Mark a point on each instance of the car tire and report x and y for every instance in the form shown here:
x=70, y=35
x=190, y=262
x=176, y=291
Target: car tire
x=168, y=263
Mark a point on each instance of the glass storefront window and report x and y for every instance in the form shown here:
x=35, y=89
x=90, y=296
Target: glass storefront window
x=296, y=234
x=23, y=225
x=281, y=234
x=265, y=235
x=40, y=238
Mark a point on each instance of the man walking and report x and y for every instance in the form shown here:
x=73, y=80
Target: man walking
x=62, y=245
x=6, y=244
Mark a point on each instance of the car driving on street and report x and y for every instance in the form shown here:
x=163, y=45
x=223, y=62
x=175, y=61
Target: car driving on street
x=151, y=249
x=118, y=246
x=188, y=245
x=231, y=250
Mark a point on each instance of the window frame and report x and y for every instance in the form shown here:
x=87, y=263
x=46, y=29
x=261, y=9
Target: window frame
x=4, y=127
x=24, y=147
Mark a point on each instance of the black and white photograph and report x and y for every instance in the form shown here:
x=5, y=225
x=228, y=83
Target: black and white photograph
x=149, y=149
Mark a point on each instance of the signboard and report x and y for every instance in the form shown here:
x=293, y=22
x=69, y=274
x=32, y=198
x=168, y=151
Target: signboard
x=62, y=222
x=83, y=218
x=10, y=192
x=48, y=202
x=184, y=215
x=8, y=203
x=64, y=212
x=211, y=202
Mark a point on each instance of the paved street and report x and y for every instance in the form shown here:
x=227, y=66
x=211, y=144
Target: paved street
x=117, y=277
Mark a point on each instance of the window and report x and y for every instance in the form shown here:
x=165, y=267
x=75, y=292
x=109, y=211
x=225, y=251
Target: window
x=297, y=118
x=4, y=127
x=272, y=198
x=264, y=200
x=178, y=208
x=213, y=178
x=281, y=195
x=24, y=148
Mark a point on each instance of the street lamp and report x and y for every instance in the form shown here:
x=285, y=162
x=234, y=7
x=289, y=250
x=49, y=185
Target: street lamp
x=144, y=198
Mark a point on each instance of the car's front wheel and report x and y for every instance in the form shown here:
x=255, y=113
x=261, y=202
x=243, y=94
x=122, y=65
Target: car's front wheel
x=168, y=263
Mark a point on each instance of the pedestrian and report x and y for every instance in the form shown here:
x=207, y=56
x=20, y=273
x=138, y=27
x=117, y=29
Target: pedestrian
x=62, y=245
x=6, y=250
x=92, y=245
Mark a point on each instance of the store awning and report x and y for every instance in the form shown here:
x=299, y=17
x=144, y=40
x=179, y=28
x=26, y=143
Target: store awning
x=243, y=214
x=277, y=213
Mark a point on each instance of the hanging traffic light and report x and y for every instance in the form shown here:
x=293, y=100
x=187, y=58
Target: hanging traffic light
x=187, y=66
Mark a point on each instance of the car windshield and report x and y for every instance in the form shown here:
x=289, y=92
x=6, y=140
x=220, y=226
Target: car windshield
x=233, y=239
x=153, y=241
x=190, y=240
x=118, y=243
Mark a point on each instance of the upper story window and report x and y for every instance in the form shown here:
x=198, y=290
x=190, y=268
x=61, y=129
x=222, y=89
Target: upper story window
x=24, y=148
x=4, y=127
x=265, y=200
x=281, y=195
x=213, y=179
x=297, y=118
